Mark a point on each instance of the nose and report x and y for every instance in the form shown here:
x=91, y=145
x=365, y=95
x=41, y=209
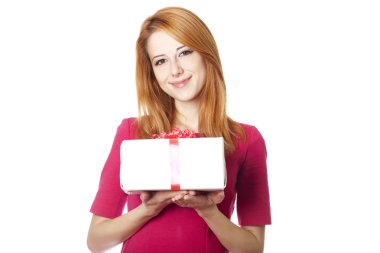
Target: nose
x=176, y=69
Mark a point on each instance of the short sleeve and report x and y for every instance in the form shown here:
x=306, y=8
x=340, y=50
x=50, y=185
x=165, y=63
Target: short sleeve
x=110, y=199
x=253, y=205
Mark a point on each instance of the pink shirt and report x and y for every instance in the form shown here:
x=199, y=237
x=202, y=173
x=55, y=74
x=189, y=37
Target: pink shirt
x=178, y=229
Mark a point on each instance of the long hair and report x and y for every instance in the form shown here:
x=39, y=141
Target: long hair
x=156, y=108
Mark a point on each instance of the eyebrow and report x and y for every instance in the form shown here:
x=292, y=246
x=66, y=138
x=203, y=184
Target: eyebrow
x=178, y=48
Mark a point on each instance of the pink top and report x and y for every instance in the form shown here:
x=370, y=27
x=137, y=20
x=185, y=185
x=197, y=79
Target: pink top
x=178, y=229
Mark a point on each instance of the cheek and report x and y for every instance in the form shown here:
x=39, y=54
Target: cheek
x=161, y=74
x=202, y=79
x=202, y=72
x=194, y=64
x=189, y=63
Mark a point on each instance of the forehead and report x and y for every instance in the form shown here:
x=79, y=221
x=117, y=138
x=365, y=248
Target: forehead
x=160, y=42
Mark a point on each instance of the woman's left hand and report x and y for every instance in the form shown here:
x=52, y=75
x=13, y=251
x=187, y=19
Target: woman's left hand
x=200, y=201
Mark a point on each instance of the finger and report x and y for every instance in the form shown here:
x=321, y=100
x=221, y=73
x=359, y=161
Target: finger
x=178, y=197
x=191, y=200
x=171, y=194
x=216, y=196
x=144, y=196
x=188, y=197
x=219, y=197
x=181, y=195
x=181, y=203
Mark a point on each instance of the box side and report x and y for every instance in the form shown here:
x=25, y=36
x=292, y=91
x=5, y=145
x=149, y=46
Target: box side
x=202, y=163
x=145, y=165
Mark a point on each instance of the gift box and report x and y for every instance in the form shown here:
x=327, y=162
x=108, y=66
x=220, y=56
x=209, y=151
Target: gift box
x=172, y=164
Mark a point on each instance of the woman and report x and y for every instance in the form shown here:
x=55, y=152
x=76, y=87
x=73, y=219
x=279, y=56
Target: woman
x=180, y=85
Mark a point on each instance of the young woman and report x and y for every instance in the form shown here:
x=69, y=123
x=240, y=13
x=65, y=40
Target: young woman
x=180, y=84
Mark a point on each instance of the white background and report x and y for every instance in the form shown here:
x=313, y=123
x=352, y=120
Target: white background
x=306, y=73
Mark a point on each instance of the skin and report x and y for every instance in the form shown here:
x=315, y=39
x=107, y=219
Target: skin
x=180, y=72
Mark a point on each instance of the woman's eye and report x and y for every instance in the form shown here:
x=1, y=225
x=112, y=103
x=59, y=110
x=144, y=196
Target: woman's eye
x=159, y=62
x=186, y=52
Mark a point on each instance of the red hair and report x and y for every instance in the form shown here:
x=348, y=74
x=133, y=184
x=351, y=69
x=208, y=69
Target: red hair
x=156, y=108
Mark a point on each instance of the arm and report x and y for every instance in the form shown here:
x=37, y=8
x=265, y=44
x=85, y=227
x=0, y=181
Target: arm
x=234, y=238
x=106, y=233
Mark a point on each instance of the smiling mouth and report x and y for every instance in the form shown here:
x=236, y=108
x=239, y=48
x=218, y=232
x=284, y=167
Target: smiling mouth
x=181, y=83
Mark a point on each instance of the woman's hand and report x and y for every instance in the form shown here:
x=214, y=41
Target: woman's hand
x=154, y=202
x=203, y=202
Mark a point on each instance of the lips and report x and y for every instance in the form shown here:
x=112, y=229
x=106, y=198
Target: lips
x=181, y=83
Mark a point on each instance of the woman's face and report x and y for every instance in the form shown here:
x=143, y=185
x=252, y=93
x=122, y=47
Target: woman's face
x=179, y=70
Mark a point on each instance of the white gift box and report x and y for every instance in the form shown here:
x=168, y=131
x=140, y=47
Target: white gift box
x=172, y=164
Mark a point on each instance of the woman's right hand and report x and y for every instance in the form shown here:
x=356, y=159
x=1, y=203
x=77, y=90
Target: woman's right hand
x=155, y=202
x=105, y=233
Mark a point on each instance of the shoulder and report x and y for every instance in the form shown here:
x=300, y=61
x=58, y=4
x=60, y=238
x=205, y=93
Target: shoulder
x=252, y=133
x=128, y=122
x=252, y=143
x=252, y=151
x=127, y=129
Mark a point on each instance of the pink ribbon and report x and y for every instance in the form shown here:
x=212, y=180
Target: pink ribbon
x=174, y=164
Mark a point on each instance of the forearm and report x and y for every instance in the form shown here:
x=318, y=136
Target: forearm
x=234, y=238
x=108, y=233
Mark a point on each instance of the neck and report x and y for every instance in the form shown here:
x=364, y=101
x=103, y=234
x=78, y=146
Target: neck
x=187, y=116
